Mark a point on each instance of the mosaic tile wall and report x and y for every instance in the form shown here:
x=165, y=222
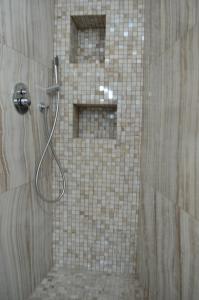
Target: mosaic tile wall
x=95, y=224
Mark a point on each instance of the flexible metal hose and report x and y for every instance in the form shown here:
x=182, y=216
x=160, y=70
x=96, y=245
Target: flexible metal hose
x=49, y=144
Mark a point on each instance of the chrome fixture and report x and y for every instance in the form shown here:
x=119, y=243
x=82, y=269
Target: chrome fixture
x=21, y=98
x=52, y=89
x=43, y=108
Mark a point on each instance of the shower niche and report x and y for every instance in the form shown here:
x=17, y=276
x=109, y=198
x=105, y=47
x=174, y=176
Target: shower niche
x=87, y=39
x=95, y=121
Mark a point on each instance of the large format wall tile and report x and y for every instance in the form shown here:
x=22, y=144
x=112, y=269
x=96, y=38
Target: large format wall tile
x=1, y=25
x=150, y=135
x=25, y=242
x=22, y=137
x=158, y=247
x=17, y=155
x=166, y=22
x=189, y=16
x=168, y=245
x=189, y=256
x=26, y=48
x=27, y=26
x=189, y=125
x=161, y=110
x=168, y=123
x=169, y=160
x=147, y=243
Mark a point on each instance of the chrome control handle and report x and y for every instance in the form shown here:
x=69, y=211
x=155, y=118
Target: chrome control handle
x=22, y=102
x=21, y=98
x=22, y=92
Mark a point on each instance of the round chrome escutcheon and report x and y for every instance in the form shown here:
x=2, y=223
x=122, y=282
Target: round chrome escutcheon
x=21, y=98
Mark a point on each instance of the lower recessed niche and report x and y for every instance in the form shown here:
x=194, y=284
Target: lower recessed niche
x=95, y=121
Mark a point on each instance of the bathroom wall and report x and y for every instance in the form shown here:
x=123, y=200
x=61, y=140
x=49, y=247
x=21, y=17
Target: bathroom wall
x=168, y=246
x=26, y=51
x=95, y=223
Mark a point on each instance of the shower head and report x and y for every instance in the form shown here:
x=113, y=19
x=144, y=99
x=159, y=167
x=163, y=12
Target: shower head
x=56, y=66
x=56, y=61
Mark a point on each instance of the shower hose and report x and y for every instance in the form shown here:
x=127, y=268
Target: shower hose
x=49, y=144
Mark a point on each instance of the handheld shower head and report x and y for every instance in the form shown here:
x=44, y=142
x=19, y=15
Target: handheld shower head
x=56, y=66
x=56, y=61
x=43, y=108
x=55, y=88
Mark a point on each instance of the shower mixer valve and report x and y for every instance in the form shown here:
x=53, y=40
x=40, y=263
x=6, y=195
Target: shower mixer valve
x=21, y=98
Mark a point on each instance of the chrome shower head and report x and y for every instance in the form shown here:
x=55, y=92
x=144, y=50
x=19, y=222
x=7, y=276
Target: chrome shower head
x=56, y=66
x=56, y=61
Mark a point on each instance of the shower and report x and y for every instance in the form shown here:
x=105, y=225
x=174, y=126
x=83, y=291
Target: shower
x=55, y=89
x=99, y=150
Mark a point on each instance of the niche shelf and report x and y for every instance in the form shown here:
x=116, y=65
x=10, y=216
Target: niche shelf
x=87, y=39
x=95, y=121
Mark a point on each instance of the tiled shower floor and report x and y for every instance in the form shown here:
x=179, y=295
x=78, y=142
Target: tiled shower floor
x=80, y=284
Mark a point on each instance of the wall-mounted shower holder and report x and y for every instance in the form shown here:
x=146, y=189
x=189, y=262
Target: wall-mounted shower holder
x=21, y=98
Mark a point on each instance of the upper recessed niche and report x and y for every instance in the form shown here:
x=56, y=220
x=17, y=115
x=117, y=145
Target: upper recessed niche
x=87, y=39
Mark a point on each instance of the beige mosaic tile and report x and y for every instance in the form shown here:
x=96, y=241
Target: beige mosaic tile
x=80, y=284
x=95, y=225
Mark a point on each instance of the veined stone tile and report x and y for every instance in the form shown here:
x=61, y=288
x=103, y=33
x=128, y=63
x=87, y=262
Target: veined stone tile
x=169, y=160
x=168, y=253
x=166, y=22
x=147, y=245
x=188, y=126
x=23, y=137
x=27, y=26
x=25, y=230
x=168, y=123
x=189, y=228
x=1, y=25
x=188, y=15
x=25, y=242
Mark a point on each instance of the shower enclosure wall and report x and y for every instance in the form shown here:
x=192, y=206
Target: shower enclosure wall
x=26, y=51
x=100, y=46
x=95, y=225
x=168, y=248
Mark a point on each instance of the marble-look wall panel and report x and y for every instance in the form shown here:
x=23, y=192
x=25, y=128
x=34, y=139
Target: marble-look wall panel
x=147, y=242
x=1, y=26
x=189, y=228
x=166, y=22
x=26, y=50
x=171, y=105
x=22, y=137
x=188, y=160
x=169, y=160
x=25, y=242
x=150, y=136
x=167, y=115
x=27, y=26
x=188, y=15
x=160, y=110
x=158, y=262
x=152, y=29
x=18, y=153
x=167, y=234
